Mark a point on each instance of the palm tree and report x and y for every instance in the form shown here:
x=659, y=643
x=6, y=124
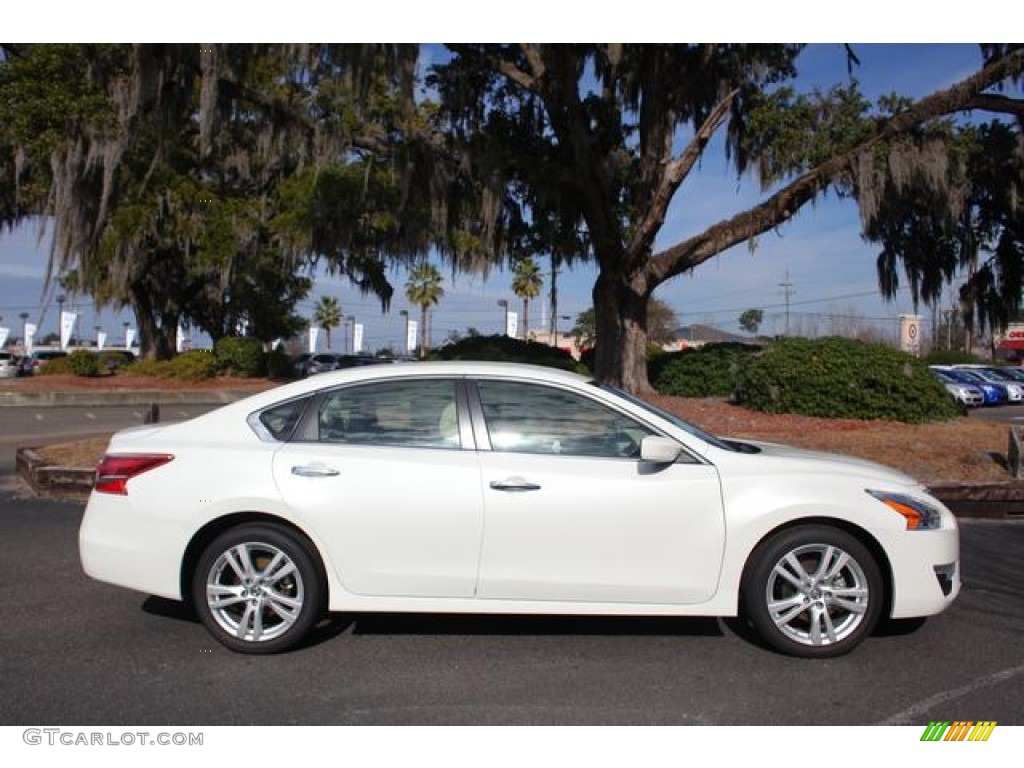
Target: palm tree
x=423, y=289
x=526, y=284
x=327, y=315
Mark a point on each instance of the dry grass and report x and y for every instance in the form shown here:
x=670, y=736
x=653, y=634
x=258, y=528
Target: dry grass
x=962, y=450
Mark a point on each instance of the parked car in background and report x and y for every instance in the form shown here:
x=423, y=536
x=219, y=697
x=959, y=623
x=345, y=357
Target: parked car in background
x=1014, y=388
x=9, y=365
x=464, y=487
x=331, y=361
x=30, y=364
x=967, y=395
x=995, y=394
x=114, y=359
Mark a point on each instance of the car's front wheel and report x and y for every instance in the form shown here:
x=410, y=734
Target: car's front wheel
x=813, y=591
x=258, y=588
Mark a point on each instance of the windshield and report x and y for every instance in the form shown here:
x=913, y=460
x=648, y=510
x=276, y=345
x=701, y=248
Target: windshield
x=681, y=423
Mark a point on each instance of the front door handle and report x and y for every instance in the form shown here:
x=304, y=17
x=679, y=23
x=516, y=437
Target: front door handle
x=314, y=470
x=514, y=484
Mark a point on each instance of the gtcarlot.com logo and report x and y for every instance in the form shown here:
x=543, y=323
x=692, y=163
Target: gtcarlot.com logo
x=958, y=730
x=68, y=738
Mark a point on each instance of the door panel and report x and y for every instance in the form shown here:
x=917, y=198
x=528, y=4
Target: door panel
x=381, y=474
x=602, y=530
x=571, y=513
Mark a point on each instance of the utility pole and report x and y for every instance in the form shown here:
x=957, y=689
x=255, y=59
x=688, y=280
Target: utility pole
x=787, y=291
x=554, y=297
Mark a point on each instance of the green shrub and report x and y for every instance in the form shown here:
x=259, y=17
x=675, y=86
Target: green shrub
x=506, y=349
x=708, y=371
x=148, y=367
x=82, y=362
x=196, y=365
x=238, y=356
x=279, y=365
x=55, y=366
x=842, y=378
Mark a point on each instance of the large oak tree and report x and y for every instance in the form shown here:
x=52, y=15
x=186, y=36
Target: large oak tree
x=603, y=136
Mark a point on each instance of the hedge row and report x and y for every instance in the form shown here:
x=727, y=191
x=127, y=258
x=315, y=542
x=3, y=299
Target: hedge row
x=842, y=378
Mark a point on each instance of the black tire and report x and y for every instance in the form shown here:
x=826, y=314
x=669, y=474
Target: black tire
x=259, y=588
x=813, y=591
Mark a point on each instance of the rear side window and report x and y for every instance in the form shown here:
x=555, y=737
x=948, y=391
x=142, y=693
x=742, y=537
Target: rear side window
x=280, y=420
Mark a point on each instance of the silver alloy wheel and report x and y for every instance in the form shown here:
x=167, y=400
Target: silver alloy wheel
x=817, y=594
x=255, y=591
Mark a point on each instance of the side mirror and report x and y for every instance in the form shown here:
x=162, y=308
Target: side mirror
x=659, y=450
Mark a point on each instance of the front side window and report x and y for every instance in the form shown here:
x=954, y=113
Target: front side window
x=532, y=418
x=412, y=414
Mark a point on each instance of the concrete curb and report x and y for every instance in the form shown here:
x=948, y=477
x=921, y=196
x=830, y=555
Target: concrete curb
x=124, y=397
x=50, y=481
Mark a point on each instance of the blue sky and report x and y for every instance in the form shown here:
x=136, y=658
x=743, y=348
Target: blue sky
x=831, y=270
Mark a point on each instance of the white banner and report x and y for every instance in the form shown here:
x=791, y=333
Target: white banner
x=313, y=333
x=129, y=337
x=4, y=333
x=511, y=324
x=357, y=338
x=29, y=341
x=411, y=337
x=101, y=339
x=67, y=325
x=179, y=344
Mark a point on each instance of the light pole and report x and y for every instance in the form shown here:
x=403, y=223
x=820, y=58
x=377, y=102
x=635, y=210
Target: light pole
x=504, y=306
x=60, y=318
x=405, y=339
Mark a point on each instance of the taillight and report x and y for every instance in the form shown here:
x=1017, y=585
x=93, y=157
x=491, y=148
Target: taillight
x=115, y=470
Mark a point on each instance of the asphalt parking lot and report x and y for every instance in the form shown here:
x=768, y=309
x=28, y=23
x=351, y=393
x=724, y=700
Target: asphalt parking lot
x=77, y=651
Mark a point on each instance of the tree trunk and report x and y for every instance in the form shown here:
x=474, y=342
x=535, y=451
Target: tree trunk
x=153, y=339
x=423, y=331
x=620, y=309
x=526, y=321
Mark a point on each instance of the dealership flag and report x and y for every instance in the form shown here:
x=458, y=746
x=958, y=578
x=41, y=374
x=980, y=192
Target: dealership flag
x=512, y=324
x=410, y=339
x=313, y=333
x=29, y=341
x=4, y=333
x=67, y=324
x=129, y=337
x=101, y=339
x=357, y=338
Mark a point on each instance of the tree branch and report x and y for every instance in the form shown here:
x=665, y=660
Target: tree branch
x=781, y=206
x=991, y=102
x=675, y=172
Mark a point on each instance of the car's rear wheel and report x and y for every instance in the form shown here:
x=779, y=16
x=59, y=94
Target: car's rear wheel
x=813, y=591
x=258, y=588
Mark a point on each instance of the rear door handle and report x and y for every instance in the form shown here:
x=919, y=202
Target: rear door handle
x=315, y=470
x=514, y=484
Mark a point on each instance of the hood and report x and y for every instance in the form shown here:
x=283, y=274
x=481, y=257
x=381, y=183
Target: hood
x=818, y=461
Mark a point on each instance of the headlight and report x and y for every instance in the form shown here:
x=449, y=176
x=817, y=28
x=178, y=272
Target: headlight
x=919, y=515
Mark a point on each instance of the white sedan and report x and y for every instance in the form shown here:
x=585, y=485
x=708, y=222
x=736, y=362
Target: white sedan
x=497, y=488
